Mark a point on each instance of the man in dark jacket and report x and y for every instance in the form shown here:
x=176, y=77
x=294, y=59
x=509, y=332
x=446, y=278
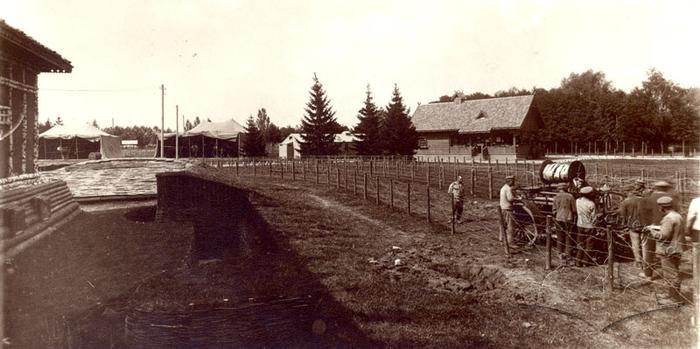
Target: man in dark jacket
x=650, y=214
x=564, y=209
x=669, y=247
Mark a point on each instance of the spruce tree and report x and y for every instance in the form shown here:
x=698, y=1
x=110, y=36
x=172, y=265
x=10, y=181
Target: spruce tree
x=319, y=125
x=400, y=136
x=368, y=129
x=253, y=143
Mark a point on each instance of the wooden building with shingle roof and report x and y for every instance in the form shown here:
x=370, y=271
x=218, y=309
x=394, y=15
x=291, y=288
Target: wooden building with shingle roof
x=22, y=59
x=480, y=129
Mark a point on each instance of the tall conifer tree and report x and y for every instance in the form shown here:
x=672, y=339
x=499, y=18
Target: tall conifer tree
x=399, y=133
x=319, y=125
x=368, y=130
x=253, y=143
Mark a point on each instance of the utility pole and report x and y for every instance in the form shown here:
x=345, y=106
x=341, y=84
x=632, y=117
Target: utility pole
x=177, y=131
x=162, y=119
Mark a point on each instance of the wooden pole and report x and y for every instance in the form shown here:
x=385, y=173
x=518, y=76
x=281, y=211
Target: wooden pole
x=490, y=183
x=502, y=231
x=408, y=197
x=611, y=258
x=236, y=168
x=452, y=220
x=473, y=177
x=282, y=166
x=376, y=182
x=391, y=193
x=337, y=177
x=317, y=175
x=696, y=285
x=255, y=171
x=294, y=172
x=364, y=185
x=354, y=182
x=427, y=192
x=328, y=174
x=548, y=232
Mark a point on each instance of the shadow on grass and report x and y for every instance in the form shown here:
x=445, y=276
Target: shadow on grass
x=243, y=286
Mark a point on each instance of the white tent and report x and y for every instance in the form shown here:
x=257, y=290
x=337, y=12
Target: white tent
x=222, y=130
x=290, y=147
x=207, y=139
x=84, y=131
x=77, y=141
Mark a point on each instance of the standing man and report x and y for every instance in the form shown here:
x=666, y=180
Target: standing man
x=629, y=214
x=650, y=214
x=669, y=247
x=564, y=208
x=692, y=224
x=640, y=188
x=586, y=211
x=506, y=202
x=456, y=189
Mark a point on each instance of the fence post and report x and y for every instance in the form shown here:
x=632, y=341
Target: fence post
x=502, y=231
x=303, y=170
x=452, y=219
x=328, y=174
x=548, y=232
x=696, y=284
x=316, y=162
x=391, y=193
x=408, y=197
x=376, y=182
x=490, y=183
x=364, y=184
x=282, y=166
x=255, y=172
x=413, y=171
x=473, y=175
x=427, y=192
x=236, y=168
x=294, y=172
x=337, y=177
x=354, y=182
x=611, y=258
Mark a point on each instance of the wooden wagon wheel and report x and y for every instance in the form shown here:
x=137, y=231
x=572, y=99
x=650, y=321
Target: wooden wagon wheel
x=526, y=223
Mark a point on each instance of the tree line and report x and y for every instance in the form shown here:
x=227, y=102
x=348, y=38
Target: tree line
x=379, y=131
x=586, y=107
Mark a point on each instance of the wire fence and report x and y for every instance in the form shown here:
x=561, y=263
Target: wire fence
x=420, y=189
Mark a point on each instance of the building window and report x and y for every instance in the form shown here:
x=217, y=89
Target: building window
x=422, y=143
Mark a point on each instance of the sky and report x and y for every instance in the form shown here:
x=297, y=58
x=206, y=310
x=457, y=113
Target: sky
x=227, y=59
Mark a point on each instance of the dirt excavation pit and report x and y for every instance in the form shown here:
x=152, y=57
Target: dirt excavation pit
x=441, y=275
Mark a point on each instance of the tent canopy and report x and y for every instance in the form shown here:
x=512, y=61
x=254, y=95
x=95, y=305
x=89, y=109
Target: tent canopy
x=85, y=131
x=228, y=129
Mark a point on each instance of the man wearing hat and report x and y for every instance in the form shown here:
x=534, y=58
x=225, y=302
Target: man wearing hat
x=564, y=208
x=650, y=214
x=669, y=237
x=506, y=203
x=640, y=188
x=586, y=212
x=628, y=212
x=456, y=189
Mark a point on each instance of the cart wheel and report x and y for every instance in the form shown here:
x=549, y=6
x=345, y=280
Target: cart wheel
x=526, y=225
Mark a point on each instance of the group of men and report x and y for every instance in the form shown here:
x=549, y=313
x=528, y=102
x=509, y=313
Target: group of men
x=651, y=216
x=657, y=229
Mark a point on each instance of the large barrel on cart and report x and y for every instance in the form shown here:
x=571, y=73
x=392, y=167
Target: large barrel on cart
x=531, y=212
x=561, y=172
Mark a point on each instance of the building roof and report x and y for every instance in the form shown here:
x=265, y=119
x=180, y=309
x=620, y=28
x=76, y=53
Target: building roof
x=38, y=56
x=85, y=131
x=473, y=116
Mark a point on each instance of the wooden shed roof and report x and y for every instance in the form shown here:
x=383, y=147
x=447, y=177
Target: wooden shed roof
x=473, y=116
x=39, y=56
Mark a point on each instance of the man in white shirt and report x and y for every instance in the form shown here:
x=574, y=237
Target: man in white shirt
x=456, y=189
x=692, y=223
x=586, y=213
x=506, y=203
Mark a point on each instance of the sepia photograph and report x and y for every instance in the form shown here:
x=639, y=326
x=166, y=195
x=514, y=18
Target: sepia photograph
x=349, y=174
